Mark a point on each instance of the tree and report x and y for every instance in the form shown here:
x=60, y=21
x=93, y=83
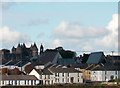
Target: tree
x=85, y=58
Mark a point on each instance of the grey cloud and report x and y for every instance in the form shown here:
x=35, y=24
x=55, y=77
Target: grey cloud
x=8, y=37
x=69, y=30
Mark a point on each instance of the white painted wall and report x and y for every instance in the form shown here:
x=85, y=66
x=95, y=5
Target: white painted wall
x=103, y=75
x=66, y=78
x=19, y=82
x=40, y=67
x=47, y=79
x=35, y=73
x=118, y=74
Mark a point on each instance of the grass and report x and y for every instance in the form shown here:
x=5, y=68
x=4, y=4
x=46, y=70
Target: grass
x=68, y=86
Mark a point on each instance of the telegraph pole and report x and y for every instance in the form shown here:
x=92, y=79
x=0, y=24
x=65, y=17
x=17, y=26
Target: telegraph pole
x=112, y=52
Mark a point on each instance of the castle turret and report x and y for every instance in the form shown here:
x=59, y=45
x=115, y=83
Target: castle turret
x=41, y=49
x=34, y=50
x=18, y=49
x=23, y=46
x=13, y=50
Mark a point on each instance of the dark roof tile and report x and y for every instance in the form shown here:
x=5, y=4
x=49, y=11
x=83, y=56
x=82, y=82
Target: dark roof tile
x=18, y=77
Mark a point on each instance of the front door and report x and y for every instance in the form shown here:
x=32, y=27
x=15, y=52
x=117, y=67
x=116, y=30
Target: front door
x=72, y=79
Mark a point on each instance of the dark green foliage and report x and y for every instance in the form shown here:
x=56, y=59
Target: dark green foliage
x=85, y=58
x=66, y=53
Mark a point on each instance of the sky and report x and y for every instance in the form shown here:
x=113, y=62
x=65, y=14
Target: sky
x=78, y=26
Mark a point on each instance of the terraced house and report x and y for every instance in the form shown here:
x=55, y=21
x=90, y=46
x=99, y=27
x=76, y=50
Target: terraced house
x=17, y=80
x=57, y=74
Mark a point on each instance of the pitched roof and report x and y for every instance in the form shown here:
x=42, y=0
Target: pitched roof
x=80, y=65
x=96, y=57
x=44, y=71
x=66, y=61
x=47, y=56
x=16, y=63
x=63, y=69
x=107, y=68
x=18, y=77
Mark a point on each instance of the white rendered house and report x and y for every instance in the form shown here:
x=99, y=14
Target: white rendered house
x=43, y=74
x=104, y=73
x=19, y=80
x=58, y=75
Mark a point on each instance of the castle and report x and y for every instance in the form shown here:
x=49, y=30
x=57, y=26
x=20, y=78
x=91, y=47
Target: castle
x=20, y=53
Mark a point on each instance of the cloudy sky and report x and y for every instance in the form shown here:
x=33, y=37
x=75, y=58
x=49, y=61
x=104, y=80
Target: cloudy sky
x=79, y=26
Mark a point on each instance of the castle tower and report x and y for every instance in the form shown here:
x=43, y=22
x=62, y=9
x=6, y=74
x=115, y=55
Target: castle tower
x=41, y=49
x=18, y=49
x=34, y=50
x=13, y=50
x=23, y=46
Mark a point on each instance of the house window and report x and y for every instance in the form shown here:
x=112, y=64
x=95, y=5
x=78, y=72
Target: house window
x=34, y=82
x=78, y=74
x=78, y=80
x=82, y=77
x=68, y=74
x=55, y=74
x=45, y=76
x=28, y=82
x=3, y=82
x=63, y=74
x=40, y=76
x=111, y=77
x=48, y=76
x=105, y=72
x=52, y=82
x=116, y=72
x=15, y=82
x=45, y=82
x=63, y=80
x=58, y=74
x=105, y=78
x=48, y=82
x=25, y=82
x=55, y=79
x=31, y=82
x=68, y=79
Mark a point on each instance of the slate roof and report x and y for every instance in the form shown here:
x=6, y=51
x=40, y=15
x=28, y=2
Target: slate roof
x=107, y=68
x=66, y=61
x=96, y=57
x=47, y=56
x=18, y=77
x=63, y=69
x=115, y=57
x=80, y=65
x=17, y=63
x=44, y=72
